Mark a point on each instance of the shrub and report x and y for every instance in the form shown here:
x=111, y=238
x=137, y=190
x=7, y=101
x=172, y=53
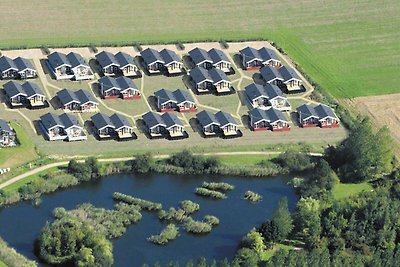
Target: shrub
x=193, y=163
x=45, y=50
x=189, y=206
x=137, y=47
x=143, y=163
x=12, y=258
x=180, y=46
x=218, y=186
x=196, y=227
x=252, y=196
x=177, y=215
x=211, y=220
x=209, y=193
x=294, y=161
x=143, y=204
x=93, y=48
x=169, y=233
x=224, y=44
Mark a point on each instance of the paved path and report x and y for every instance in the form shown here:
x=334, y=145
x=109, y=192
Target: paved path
x=63, y=163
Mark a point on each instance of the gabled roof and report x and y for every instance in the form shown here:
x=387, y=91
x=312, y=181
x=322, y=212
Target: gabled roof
x=200, y=75
x=170, y=120
x=225, y=118
x=4, y=127
x=13, y=89
x=106, y=59
x=69, y=120
x=101, y=121
x=125, y=83
x=165, y=96
x=49, y=121
x=217, y=56
x=270, y=73
x=151, y=56
x=7, y=63
x=66, y=96
x=199, y=55
x=169, y=56
x=258, y=115
x=84, y=97
x=306, y=111
x=23, y=64
x=324, y=111
x=109, y=83
x=250, y=53
x=272, y=91
x=254, y=91
x=218, y=75
x=31, y=89
x=153, y=119
x=76, y=60
x=288, y=73
x=57, y=59
x=120, y=121
x=124, y=59
x=275, y=115
x=206, y=118
x=182, y=96
x=267, y=54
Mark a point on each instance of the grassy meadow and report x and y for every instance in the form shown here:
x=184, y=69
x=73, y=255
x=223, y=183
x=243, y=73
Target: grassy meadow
x=349, y=47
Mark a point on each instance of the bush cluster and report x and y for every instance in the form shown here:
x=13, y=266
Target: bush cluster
x=209, y=193
x=170, y=232
x=252, y=196
x=143, y=204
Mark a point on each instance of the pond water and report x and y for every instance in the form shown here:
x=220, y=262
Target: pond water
x=20, y=224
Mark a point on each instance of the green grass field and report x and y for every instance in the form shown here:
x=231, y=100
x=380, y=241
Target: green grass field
x=350, y=47
x=2, y=264
x=341, y=191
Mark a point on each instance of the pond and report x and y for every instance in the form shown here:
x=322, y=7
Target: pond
x=20, y=224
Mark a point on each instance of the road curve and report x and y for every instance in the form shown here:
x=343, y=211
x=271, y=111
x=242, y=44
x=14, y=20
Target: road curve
x=63, y=163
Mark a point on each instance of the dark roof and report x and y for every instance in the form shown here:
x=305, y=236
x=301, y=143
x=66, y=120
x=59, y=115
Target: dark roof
x=206, y=117
x=272, y=91
x=120, y=121
x=49, y=120
x=258, y=114
x=84, y=96
x=306, y=111
x=254, y=91
x=23, y=64
x=275, y=115
x=250, y=53
x=153, y=119
x=101, y=120
x=324, y=111
x=57, y=59
x=32, y=89
x=69, y=120
x=4, y=127
x=225, y=118
x=124, y=59
x=66, y=96
x=13, y=89
x=165, y=96
x=106, y=58
x=269, y=73
x=125, y=83
x=7, y=63
x=267, y=54
x=182, y=96
x=200, y=74
x=169, y=56
x=217, y=55
x=171, y=119
x=288, y=73
x=109, y=82
x=76, y=60
x=217, y=75
x=199, y=55
x=150, y=56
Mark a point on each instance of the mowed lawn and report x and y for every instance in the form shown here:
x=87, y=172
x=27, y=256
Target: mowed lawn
x=350, y=47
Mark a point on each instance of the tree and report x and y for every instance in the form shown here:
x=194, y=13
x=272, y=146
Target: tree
x=270, y=231
x=253, y=240
x=246, y=257
x=308, y=221
x=143, y=163
x=282, y=219
x=294, y=161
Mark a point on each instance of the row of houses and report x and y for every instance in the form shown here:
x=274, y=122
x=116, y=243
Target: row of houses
x=18, y=68
x=213, y=58
x=208, y=80
x=117, y=64
x=120, y=87
x=285, y=77
x=7, y=135
x=69, y=67
x=26, y=94
x=178, y=100
x=253, y=59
